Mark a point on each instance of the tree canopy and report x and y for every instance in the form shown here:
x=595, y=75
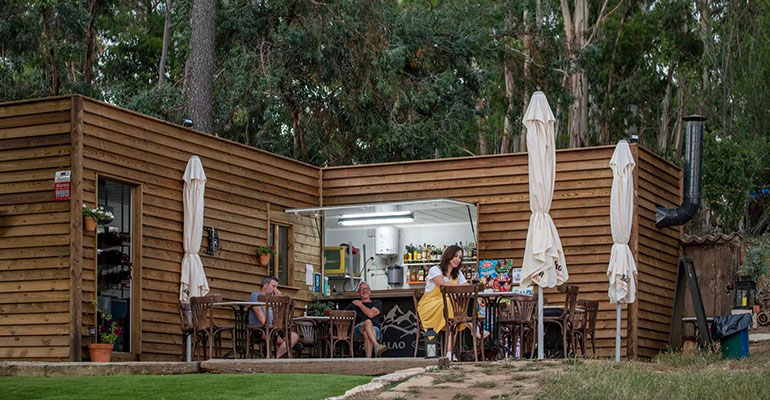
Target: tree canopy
x=346, y=82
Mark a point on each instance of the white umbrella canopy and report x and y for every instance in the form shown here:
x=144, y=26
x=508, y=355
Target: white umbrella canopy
x=622, y=268
x=193, y=282
x=543, y=262
x=621, y=271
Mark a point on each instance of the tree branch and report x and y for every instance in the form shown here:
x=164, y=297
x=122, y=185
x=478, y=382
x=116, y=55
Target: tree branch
x=599, y=20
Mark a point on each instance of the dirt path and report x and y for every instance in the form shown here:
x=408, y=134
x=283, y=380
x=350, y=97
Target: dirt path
x=465, y=381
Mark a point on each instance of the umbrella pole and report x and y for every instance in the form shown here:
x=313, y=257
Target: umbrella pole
x=617, y=333
x=540, y=335
x=189, y=348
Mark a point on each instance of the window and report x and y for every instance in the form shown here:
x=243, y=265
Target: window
x=280, y=238
x=114, y=260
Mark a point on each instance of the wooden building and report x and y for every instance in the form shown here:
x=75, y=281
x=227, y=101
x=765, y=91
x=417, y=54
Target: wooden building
x=48, y=274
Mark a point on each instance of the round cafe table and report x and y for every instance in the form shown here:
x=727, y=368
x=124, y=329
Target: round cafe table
x=241, y=317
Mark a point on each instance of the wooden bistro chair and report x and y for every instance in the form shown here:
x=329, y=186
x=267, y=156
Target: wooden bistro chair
x=418, y=340
x=186, y=321
x=341, y=326
x=520, y=321
x=566, y=318
x=307, y=337
x=463, y=299
x=282, y=310
x=587, y=325
x=205, y=330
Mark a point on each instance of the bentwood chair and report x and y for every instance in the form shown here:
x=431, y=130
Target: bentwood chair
x=462, y=300
x=520, y=322
x=186, y=321
x=205, y=330
x=307, y=337
x=416, y=296
x=565, y=318
x=341, y=326
x=279, y=312
x=587, y=325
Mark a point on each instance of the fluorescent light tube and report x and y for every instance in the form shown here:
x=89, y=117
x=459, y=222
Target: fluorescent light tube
x=379, y=214
x=388, y=220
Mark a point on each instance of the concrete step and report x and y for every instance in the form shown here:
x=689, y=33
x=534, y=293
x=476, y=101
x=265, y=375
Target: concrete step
x=339, y=366
x=26, y=368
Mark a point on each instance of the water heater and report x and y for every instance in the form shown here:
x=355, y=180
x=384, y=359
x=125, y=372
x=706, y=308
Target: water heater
x=386, y=240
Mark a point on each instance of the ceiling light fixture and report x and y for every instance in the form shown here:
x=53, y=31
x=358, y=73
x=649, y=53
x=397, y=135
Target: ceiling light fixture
x=381, y=218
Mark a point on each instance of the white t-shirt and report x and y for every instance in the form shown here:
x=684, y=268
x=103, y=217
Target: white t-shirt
x=436, y=271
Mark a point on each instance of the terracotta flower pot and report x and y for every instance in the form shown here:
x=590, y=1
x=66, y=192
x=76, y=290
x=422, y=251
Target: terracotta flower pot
x=100, y=352
x=89, y=223
x=264, y=259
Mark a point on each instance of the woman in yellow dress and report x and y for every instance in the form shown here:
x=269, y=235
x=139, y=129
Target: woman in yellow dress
x=431, y=305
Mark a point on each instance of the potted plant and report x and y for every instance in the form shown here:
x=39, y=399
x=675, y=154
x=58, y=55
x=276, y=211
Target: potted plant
x=264, y=253
x=108, y=334
x=92, y=216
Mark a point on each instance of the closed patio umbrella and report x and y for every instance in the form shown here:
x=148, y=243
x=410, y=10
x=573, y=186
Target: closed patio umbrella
x=621, y=271
x=543, y=263
x=193, y=282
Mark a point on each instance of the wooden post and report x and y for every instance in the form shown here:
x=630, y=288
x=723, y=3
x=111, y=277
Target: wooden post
x=76, y=228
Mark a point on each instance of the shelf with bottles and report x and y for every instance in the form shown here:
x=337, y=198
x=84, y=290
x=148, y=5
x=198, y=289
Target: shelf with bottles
x=469, y=261
x=429, y=254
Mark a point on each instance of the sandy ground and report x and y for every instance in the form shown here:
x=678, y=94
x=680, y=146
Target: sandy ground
x=464, y=381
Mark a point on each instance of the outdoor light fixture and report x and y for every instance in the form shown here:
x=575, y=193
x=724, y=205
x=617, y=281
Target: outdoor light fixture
x=187, y=122
x=431, y=343
x=377, y=218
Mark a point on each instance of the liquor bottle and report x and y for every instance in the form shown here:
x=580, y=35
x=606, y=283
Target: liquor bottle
x=421, y=275
x=305, y=314
x=424, y=251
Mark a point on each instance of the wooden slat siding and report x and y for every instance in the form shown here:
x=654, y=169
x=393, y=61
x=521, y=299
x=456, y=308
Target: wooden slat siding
x=241, y=181
x=498, y=183
x=34, y=231
x=658, y=252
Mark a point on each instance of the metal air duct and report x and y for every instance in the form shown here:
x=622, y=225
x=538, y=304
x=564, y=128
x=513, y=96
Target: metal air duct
x=693, y=151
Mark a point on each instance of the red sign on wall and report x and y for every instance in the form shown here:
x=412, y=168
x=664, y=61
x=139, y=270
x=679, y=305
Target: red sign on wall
x=61, y=186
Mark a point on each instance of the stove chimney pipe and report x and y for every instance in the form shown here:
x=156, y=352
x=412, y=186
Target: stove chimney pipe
x=693, y=151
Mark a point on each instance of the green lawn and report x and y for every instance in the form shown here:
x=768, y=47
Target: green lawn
x=183, y=387
x=670, y=376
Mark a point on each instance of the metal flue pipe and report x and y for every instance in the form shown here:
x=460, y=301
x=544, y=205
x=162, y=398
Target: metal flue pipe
x=693, y=151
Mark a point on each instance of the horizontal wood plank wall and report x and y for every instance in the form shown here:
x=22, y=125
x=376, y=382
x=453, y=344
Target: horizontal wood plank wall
x=34, y=231
x=240, y=182
x=499, y=184
x=659, y=250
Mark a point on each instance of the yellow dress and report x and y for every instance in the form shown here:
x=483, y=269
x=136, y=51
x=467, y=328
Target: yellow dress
x=431, y=309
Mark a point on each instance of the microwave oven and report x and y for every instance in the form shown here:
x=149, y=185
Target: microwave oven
x=339, y=260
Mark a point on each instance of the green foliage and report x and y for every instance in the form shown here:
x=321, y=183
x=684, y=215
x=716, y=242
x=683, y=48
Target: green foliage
x=756, y=257
x=333, y=83
x=317, y=307
x=262, y=250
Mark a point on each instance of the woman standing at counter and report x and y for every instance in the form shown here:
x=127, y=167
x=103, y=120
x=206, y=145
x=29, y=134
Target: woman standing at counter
x=431, y=305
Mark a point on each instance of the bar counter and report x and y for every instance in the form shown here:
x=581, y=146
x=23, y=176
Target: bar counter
x=399, y=320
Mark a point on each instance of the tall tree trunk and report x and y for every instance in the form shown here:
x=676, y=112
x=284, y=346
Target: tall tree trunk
x=664, y=106
x=51, y=55
x=505, y=144
x=708, y=54
x=166, y=39
x=604, y=132
x=520, y=144
x=575, y=27
x=682, y=84
x=480, y=127
x=90, y=43
x=201, y=64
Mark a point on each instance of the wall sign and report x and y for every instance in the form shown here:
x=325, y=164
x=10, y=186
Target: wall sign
x=61, y=186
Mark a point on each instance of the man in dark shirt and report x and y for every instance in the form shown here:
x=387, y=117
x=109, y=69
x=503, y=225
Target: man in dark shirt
x=368, y=315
